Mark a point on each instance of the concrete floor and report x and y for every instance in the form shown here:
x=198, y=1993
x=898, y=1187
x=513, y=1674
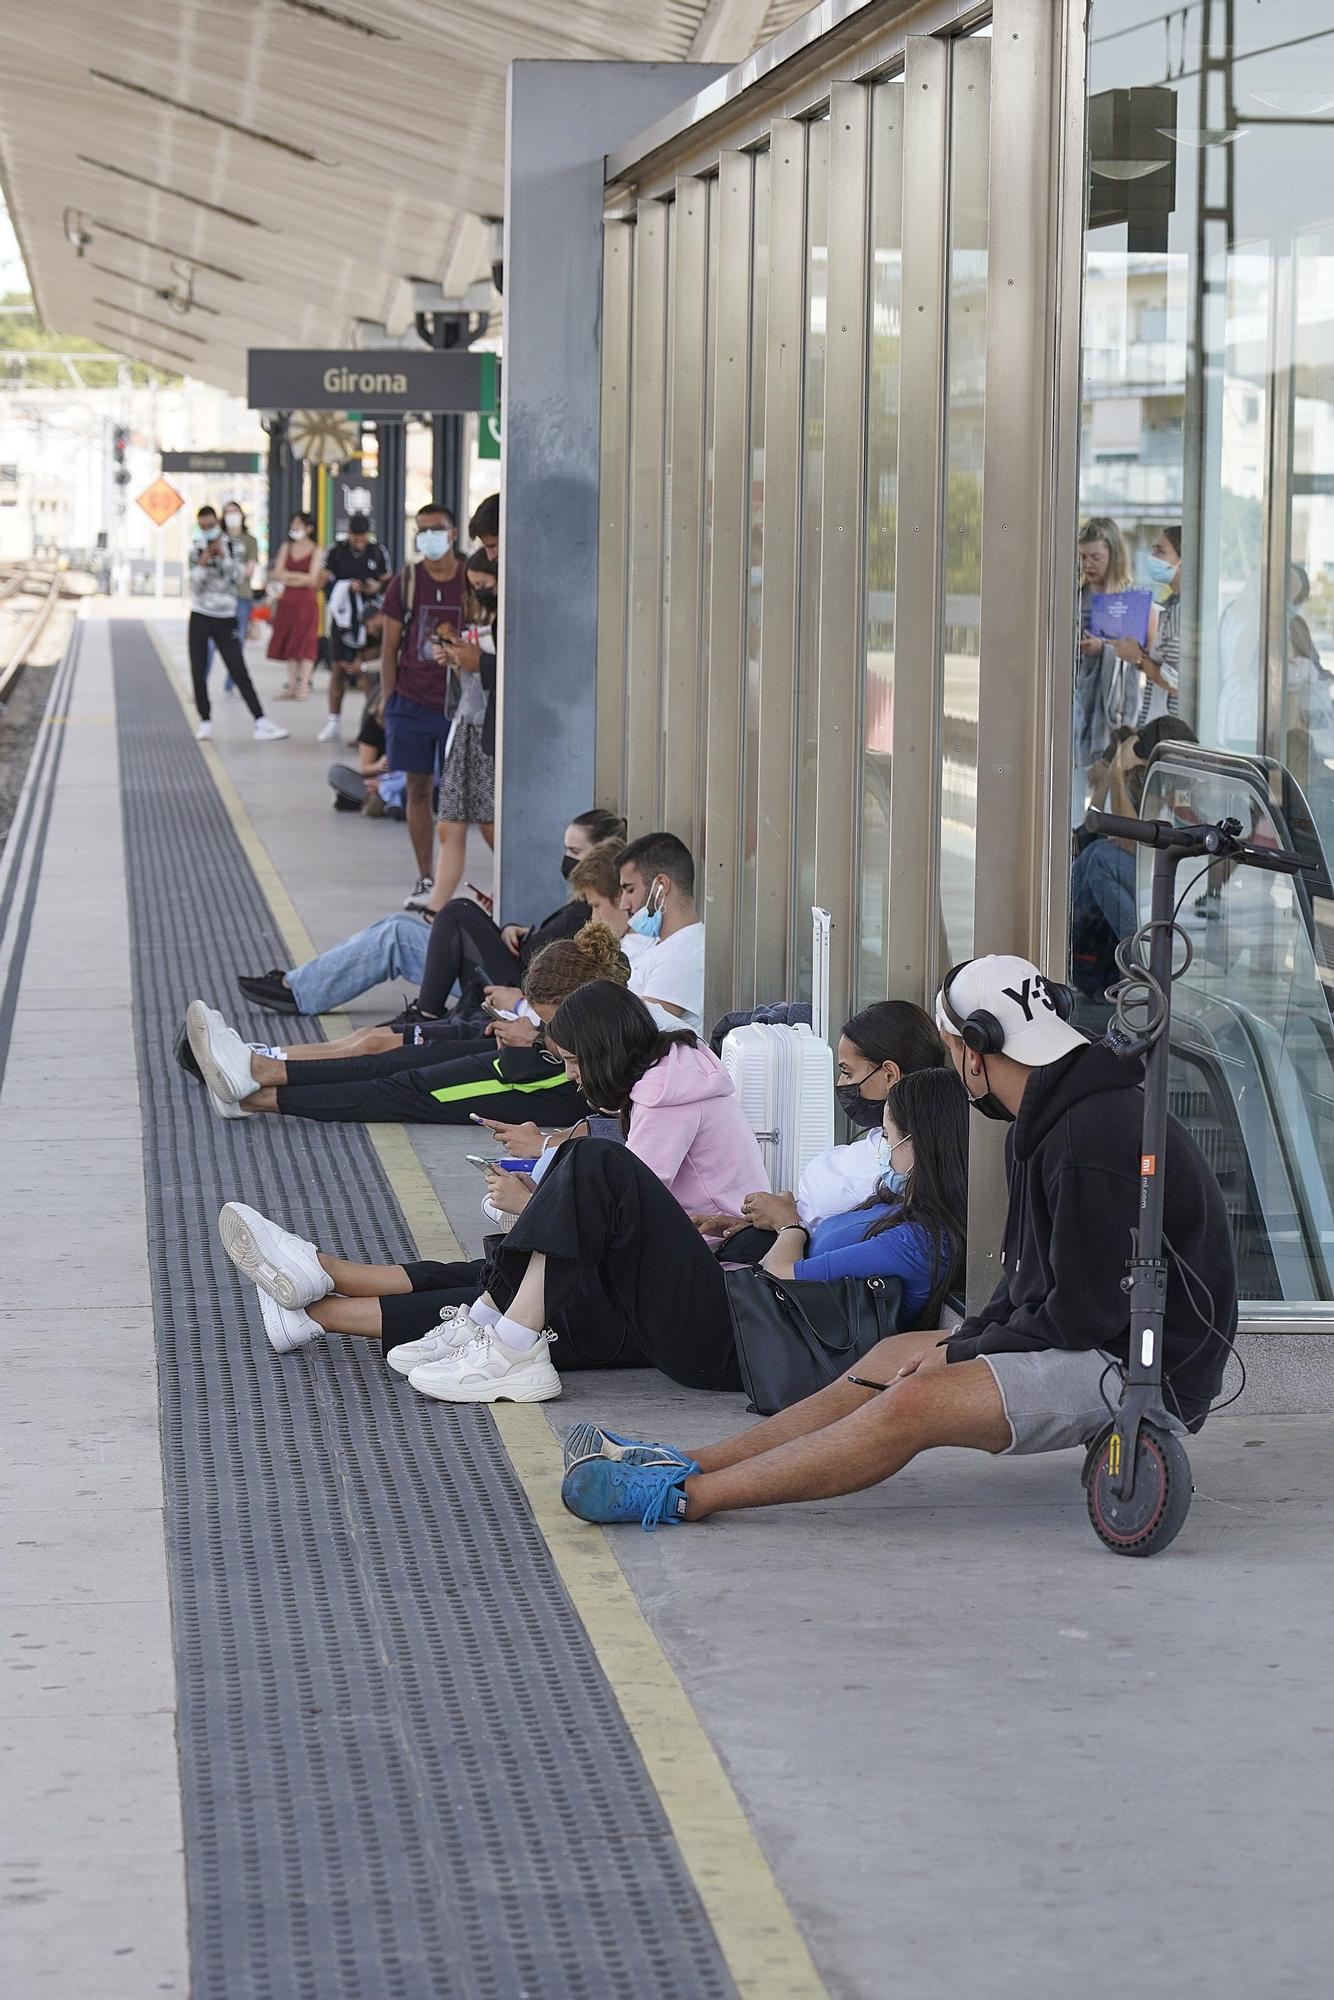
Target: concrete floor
x=983, y=1756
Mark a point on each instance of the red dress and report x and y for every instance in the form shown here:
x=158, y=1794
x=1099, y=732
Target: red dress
x=296, y=620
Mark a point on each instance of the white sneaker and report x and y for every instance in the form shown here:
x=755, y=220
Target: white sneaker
x=267, y=731
x=456, y=1329
x=486, y=1371
x=225, y=1107
x=285, y=1266
x=204, y=733
x=421, y=895
x=221, y=1054
x=329, y=732
x=285, y=1329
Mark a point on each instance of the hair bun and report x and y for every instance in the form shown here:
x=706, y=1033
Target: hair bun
x=601, y=945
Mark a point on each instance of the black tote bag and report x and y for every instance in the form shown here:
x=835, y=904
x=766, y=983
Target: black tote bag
x=794, y=1336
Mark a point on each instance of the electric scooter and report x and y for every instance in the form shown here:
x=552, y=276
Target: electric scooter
x=1136, y=1472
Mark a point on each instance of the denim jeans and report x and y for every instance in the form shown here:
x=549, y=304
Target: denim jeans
x=1104, y=876
x=393, y=948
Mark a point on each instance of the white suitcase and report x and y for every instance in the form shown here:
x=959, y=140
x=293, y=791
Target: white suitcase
x=784, y=1081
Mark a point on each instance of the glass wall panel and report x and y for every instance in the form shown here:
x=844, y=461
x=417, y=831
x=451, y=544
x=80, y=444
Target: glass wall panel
x=759, y=315
x=1207, y=544
x=882, y=475
x=812, y=476
x=966, y=377
x=669, y=398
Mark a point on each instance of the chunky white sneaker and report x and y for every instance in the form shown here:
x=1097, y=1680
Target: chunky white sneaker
x=285, y=1266
x=421, y=895
x=223, y=1058
x=267, y=731
x=456, y=1329
x=285, y=1329
x=204, y=733
x=329, y=732
x=486, y=1371
x=225, y=1107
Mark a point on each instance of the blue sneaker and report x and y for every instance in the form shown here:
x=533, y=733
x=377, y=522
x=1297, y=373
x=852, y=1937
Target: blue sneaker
x=588, y=1440
x=608, y=1490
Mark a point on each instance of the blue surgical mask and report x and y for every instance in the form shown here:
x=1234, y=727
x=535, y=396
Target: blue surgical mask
x=647, y=922
x=894, y=1182
x=433, y=544
x=1160, y=570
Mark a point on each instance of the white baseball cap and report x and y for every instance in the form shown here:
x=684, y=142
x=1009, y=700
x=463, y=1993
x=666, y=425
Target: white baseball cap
x=1017, y=995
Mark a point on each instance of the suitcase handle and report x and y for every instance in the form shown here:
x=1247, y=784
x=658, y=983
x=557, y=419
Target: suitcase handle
x=821, y=924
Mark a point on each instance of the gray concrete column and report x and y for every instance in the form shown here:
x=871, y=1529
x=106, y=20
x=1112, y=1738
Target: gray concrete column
x=564, y=117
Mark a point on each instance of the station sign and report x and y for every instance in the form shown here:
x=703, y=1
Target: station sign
x=386, y=382
x=231, y=462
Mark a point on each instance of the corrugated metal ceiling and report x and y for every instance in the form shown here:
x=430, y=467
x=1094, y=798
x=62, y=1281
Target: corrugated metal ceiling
x=304, y=159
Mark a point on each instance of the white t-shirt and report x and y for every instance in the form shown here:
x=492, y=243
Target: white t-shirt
x=672, y=969
x=843, y=1178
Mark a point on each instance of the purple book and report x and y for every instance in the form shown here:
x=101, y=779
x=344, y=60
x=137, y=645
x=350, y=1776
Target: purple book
x=1121, y=614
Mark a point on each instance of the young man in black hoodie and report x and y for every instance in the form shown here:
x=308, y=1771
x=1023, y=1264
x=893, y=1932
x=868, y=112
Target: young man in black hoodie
x=1037, y=1368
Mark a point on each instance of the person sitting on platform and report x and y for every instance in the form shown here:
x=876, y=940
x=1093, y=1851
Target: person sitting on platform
x=606, y=1270
x=398, y=946
x=450, y=1083
x=1038, y=1368
x=658, y=896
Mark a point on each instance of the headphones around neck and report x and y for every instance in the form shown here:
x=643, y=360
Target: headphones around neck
x=980, y=1031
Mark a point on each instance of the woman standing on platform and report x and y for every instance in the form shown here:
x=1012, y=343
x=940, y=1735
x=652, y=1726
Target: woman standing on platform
x=296, y=622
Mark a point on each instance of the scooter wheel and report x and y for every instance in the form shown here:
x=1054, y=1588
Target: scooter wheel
x=1155, y=1513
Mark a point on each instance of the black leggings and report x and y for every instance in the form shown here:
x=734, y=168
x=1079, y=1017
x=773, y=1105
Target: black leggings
x=222, y=631
x=590, y=1332
x=464, y=941
x=601, y=1213
x=513, y=1084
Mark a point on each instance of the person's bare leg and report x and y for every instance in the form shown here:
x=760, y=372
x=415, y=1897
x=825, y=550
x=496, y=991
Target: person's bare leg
x=529, y=1304
x=304, y=677
x=337, y=684
x=359, y=1317
x=826, y=1406
x=365, y=1281
x=938, y=1406
x=451, y=846
x=421, y=820
x=362, y=1042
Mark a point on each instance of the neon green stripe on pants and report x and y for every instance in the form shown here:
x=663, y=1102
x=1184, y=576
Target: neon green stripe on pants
x=459, y=1093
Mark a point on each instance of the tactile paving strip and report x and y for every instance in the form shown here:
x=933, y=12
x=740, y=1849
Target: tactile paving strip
x=403, y=1772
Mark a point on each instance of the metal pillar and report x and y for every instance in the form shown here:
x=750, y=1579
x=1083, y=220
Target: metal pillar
x=279, y=459
x=447, y=330
x=393, y=486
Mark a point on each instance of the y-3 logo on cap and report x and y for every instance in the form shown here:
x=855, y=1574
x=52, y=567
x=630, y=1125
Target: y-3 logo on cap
x=1033, y=993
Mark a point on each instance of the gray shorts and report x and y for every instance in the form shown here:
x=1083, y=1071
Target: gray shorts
x=1056, y=1400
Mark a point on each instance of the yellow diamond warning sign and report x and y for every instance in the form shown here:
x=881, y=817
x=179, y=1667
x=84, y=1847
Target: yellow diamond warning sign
x=160, y=501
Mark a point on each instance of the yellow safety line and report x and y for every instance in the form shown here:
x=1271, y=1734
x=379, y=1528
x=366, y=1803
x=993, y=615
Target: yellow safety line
x=765, y=1952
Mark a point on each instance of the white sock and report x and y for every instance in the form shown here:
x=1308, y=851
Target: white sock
x=517, y=1337
x=483, y=1314
x=265, y=1049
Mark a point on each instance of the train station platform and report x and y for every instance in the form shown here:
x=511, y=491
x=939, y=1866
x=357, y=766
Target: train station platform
x=311, y=1687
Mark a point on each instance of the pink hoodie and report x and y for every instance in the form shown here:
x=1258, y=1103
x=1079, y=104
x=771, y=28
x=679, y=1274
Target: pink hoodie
x=686, y=1124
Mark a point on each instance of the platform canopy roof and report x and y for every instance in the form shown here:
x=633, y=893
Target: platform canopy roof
x=283, y=169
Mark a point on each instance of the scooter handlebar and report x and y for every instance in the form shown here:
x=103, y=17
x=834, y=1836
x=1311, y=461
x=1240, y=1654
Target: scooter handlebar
x=1196, y=840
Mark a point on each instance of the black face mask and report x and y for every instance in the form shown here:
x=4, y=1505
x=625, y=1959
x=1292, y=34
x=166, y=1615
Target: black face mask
x=568, y=864
x=486, y=598
x=988, y=1105
x=864, y=1112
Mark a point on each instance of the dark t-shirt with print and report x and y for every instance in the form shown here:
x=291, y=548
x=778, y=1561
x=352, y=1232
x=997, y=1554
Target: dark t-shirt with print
x=348, y=565
x=423, y=671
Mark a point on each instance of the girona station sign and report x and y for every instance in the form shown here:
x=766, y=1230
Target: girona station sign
x=391, y=382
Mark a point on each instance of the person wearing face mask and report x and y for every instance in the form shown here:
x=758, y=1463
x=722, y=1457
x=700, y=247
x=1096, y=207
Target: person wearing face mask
x=354, y=576
x=237, y=533
x=296, y=622
x=424, y=607
x=886, y=1041
x=1037, y=1368
x=217, y=578
x=462, y=946
x=1160, y=660
x=658, y=896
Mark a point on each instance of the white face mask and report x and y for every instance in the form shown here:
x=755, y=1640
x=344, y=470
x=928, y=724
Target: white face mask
x=233, y=523
x=297, y=534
